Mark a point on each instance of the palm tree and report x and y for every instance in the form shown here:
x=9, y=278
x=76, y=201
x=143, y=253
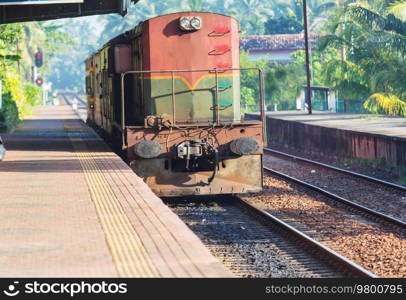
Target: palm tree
x=252, y=14
x=382, y=103
x=398, y=9
x=375, y=40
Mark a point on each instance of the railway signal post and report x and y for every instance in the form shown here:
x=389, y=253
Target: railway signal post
x=39, y=59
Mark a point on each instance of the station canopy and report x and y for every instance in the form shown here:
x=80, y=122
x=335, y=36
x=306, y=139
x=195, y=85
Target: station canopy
x=40, y=10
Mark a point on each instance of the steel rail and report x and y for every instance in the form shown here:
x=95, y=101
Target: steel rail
x=66, y=96
x=326, y=166
x=80, y=100
x=331, y=254
x=337, y=198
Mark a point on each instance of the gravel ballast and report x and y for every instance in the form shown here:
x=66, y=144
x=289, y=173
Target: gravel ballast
x=245, y=245
x=378, y=248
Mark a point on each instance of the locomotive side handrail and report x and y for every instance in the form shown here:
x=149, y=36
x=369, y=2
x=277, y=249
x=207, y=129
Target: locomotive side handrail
x=216, y=104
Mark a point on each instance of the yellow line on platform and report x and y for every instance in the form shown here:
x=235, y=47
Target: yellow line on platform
x=129, y=255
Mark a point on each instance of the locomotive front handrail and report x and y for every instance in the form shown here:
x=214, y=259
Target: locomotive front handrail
x=173, y=99
x=216, y=100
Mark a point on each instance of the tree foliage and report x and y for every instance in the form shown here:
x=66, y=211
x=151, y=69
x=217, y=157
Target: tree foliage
x=384, y=103
x=283, y=25
x=372, y=39
x=18, y=44
x=362, y=51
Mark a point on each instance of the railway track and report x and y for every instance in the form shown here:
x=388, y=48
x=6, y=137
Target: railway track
x=240, y=261
x=68, y=97
x=377, y=213
x=254, y=243
x=336, y=169
x=373, y=239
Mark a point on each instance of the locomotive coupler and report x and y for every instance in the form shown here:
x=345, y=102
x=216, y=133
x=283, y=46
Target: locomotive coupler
x=188, y=150
x=198, y=152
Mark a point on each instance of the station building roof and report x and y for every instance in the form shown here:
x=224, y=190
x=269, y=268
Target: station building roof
x=42, y=12
x=291, y=42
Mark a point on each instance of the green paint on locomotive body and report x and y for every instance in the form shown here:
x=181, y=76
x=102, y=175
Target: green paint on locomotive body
x=194, y=104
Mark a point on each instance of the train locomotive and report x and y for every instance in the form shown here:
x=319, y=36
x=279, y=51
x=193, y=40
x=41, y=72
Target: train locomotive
x=167, y=93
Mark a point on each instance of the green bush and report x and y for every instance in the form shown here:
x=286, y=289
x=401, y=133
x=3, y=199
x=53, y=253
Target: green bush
x=32, y=94
x=18, y=99
x=8, y=114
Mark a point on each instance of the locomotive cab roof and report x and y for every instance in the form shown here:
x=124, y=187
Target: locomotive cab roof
x=137, y=30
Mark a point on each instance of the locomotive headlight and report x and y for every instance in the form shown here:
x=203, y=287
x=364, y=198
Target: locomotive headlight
x=184, y=23
x=196, y=23
x=147, y=149
x=190, y=23
x=244, y=146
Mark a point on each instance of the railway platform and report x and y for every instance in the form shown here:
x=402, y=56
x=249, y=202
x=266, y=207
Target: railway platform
x=365, y=123
x=359, y=136
x=70, y=207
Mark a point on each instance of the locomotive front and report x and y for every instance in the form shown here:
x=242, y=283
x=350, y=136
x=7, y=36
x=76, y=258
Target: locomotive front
x=181, y=120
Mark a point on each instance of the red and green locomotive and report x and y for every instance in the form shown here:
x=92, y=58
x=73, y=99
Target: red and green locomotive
x=168, y=94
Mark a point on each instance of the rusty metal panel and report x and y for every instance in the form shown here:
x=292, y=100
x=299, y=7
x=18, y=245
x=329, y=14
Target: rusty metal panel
x=235, y=175
x=229, y=180
x=220, y=137
x=123, y=59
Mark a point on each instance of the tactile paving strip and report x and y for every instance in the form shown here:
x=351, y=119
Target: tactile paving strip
x=129, y=255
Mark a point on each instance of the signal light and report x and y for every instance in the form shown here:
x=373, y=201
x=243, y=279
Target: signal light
x=38, y=59
x=39, y=81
